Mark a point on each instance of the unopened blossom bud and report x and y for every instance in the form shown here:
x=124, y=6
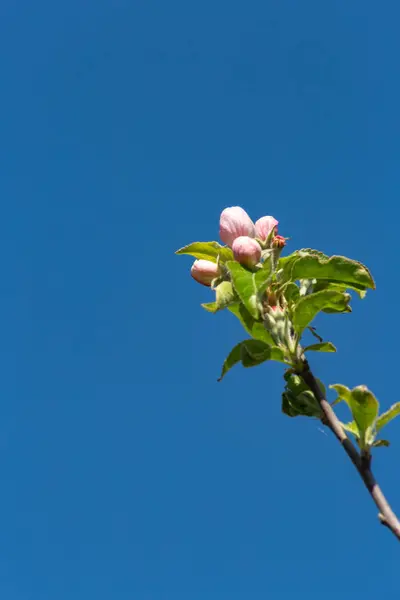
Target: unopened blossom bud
x=272, y=300
x=275, y=321
x=204, y=271
x=279, y=242
x=264, y=226
x=233, y=223
x=246, y=251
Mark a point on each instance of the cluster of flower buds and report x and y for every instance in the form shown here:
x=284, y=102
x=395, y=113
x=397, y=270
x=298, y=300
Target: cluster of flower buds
x=247, y=240
x=277, y=322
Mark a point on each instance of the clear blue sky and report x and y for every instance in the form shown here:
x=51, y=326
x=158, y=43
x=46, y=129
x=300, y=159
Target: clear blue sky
x=126, y=471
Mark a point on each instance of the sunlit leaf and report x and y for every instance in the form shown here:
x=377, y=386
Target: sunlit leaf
x=309, y=306
x=312, y=264
x=225, y=294
x=364, y=407
x=388, y=416
x=253, y=327
x=249, y=285
x=351, y=428
x=343, y=393
x=207, y=251
x=211, y=307
x=321, y=347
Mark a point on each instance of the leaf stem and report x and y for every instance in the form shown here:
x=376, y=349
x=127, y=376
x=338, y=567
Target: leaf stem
x=386, y=515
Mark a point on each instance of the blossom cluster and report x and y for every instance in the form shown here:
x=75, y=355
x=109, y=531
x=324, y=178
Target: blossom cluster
x=245, y=238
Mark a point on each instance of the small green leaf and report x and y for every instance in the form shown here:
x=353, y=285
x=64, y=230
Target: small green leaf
x=364, y=407
x=296, y=384
x=387, y=416
x=381, y=443
x=343, y=393
x=351, y=428
x=321, y=347
x=232, y=359
x=262, y=277
x=207, y=251
x=298, y=399
x=309, y=306
x=254, y=328
x=251, y=353
x=245, y=285
x=292, y=293
x=254, y=352
x=211, y=307
x=304, y=404
x=225, y=295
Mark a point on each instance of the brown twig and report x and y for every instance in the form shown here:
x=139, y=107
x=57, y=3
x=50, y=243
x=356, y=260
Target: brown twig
x=363, y=464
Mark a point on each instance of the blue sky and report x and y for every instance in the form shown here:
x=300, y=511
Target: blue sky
x=127, y=472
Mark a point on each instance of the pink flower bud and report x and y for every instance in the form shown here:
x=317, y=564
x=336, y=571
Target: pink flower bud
x=233, y=223
x=246, y=251
x=204, y=271
x=264, y=226
x=279, y=242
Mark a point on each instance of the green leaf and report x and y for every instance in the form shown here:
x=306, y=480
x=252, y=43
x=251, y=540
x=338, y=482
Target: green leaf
x=343, y=393
x=207, y=251
x=262, y=277
x=387, y=416
x=296, y=384
x=381, y=443
x=309, y=306
x=364, y=407
x=231, y=360
x=292, y=293
x=305, y=405
x=251, y=353
x=211, y=307
x=312, y=264
x=321, y=347
x=225, y=295
x=351, y=428
x=254, y=352
x=327, y=284
x=298, y=399
x=254, y=328
x=248, y=285
x=337, y=310
x=244, y=284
